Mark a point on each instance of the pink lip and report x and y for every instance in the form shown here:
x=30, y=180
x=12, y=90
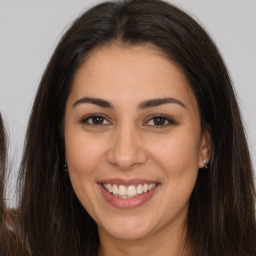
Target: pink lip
x=128, y=203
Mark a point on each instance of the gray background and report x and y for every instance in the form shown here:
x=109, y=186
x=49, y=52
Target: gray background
x=30, y=30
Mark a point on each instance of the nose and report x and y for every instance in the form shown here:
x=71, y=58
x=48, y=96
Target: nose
x=127, y=149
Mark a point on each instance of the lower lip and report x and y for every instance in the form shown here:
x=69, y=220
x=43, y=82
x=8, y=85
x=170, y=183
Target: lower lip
x=127, y=203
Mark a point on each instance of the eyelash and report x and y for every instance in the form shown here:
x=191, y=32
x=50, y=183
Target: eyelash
x=153, y=118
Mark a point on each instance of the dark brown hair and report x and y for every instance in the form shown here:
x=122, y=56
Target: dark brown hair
x=5, y=234
x=10, y=244
x=221, y=218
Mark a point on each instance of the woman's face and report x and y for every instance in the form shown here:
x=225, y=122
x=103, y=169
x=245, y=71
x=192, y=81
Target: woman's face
x=133, y=141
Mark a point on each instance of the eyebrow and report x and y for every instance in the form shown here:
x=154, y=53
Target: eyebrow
x=95, y=101
x=145, y=104
x=161, y=101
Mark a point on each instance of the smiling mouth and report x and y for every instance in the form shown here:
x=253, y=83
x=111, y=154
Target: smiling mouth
x=131, y=191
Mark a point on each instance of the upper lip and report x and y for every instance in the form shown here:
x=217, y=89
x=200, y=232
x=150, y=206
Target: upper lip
x=127, y=182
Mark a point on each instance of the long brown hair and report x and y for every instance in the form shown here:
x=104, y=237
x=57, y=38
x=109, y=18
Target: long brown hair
x=221, y=218
x=10, y=244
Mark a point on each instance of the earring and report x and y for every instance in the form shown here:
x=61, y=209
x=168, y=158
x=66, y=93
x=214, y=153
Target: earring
x=66, y=167
x=205, y=164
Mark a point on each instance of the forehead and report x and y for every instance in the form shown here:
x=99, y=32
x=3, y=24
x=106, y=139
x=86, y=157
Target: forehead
x=136, y=72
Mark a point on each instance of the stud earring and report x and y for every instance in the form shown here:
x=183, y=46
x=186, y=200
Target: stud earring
x=66, y=167
x=205, y=164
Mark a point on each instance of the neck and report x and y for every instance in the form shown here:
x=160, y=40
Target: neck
x=161, y=243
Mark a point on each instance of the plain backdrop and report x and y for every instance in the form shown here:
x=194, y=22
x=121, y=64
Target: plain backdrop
x=30, y=30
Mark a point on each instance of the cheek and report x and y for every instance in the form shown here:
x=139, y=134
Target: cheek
x=178, y=154
x=83, y=158
x=178, y=159
x=83, y=153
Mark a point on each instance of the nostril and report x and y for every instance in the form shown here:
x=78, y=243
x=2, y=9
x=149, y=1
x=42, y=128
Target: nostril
x=126, y=150
x=126, y=161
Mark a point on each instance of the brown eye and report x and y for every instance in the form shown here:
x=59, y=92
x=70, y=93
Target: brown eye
x=160, y=121
x=96, y=120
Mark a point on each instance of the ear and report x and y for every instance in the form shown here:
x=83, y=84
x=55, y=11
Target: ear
x=205, y=148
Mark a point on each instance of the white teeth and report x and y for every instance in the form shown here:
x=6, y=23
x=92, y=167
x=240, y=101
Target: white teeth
x=115, y=189
x=139, y=189
x=145, y=188
x=109, y=188
x=121, y=190
x=130, y=191
x=151, y=186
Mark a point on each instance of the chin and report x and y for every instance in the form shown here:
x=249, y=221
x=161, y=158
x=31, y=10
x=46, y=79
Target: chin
x=129, y=229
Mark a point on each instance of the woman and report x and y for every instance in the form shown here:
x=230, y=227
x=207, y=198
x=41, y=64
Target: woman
x=135, y=144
